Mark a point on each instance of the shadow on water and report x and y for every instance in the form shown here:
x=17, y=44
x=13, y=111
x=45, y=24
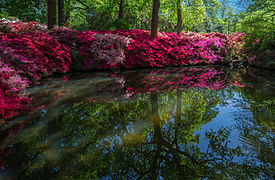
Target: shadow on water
x=146, y=124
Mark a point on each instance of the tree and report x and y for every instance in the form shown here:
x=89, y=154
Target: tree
x=51, y=13
x=61, y=16
x=179, y=25
x=224, y=8
x=181, y=14
x=212, y=21
x=120, y=12
x=155, y=18
x=258, y=23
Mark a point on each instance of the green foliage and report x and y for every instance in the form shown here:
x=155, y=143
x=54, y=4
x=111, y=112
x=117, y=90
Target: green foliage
x=118, y=24
x=193, y=12
x=259, y=25
x=29, y=10
x=5, y=15
x=103, y=14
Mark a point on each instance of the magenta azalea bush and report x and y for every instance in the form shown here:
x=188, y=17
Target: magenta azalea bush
x=34, y=55
x=169, y=50
x=24, y=58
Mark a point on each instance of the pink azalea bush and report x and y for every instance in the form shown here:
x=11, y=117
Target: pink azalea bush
x=106, y=50
x=136, y=48
x=168, y=50
x=16, y=82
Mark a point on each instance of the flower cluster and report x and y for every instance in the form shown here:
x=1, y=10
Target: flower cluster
x=106, y=50
x=136, y=48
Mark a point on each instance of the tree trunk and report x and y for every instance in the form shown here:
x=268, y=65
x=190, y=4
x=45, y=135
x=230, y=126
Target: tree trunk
x=120, y=12
x=51, y=13
x=61, y=12
x=155, y=18
x=179, y=26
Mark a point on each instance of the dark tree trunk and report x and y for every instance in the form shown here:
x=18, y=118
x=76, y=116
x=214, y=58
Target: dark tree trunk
x=61, y=12
x=179, y=26
x=51, y=13
x=120, y=12
x=155, y=18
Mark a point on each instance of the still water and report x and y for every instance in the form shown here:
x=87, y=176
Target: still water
x=173, y=123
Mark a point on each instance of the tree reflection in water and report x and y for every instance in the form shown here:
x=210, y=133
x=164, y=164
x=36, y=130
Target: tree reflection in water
x=148, y=133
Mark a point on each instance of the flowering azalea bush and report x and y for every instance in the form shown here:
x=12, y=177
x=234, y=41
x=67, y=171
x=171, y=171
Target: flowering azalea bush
x=16, y=82
x=74, y=40
x=136, y=48
x=169, y=50
x=26, y=57
x=33, y=55
x=106, y=50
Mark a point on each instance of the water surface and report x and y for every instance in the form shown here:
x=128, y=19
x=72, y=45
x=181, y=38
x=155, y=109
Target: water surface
x=172, y=123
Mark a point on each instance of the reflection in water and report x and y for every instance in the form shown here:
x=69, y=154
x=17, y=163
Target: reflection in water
x=143, y=125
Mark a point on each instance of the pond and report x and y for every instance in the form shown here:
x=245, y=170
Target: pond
x=172, y=123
